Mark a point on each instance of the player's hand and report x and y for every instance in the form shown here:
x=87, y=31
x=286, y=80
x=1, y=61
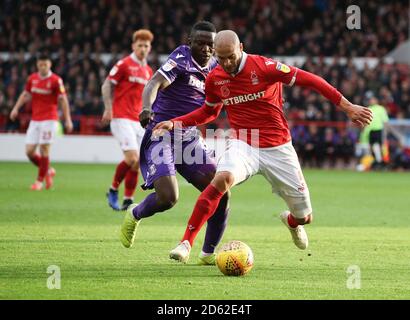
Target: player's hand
x=107, y=117
x=145, y=117
x=68, y=125
x=359, y=115
x=13, y=114
x=161, y=128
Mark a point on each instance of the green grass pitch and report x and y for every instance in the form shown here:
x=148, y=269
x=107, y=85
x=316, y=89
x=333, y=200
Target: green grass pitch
x=361, y=219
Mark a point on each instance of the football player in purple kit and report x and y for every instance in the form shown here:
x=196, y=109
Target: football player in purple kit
x=176, y=89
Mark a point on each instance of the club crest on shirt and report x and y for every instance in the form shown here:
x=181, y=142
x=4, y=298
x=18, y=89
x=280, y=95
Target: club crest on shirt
x=254, y=78
x=225, y=91
x=169, y=65
x=282, y=67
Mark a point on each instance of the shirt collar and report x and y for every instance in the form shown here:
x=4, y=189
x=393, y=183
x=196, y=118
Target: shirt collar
x=241, y=64
x=198, y=66
x=134, y=57
x=47, y=75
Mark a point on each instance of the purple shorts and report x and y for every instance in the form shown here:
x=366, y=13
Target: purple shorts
x=166, y=156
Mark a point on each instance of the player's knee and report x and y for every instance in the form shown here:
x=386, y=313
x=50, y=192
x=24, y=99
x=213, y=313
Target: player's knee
x=44, y=150
x=223, y=181
x=132, y=162
x=167, y=201
x=30, y=153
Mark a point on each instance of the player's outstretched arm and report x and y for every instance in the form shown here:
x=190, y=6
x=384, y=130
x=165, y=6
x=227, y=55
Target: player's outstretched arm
x=21, y=101
x=359, y=115
x=156, y=83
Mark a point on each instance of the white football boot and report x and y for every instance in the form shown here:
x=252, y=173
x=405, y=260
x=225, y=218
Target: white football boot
x=299, y=235
x=181, y=252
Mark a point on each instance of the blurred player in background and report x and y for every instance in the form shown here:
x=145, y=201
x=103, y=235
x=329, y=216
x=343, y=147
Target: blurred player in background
x=46, y=90
x=122, y=95
x=377, y=134
x=178, y=88
x=250, y=89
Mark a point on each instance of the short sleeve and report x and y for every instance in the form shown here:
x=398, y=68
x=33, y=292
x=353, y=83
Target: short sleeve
x=60, y=87
x=385, y=115
x=116, y=72
x=28, y=85
x=174, y=65
x=279, y=72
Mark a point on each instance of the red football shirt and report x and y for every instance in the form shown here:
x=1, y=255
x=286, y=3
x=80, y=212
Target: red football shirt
x=253, y=99
x=129, y=76
x=44, y=95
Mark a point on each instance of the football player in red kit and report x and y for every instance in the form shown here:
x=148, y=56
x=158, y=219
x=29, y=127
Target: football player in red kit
x=122, y=95
x=46, y=90
x=249, y=87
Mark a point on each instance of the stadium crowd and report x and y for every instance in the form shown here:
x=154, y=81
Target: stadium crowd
x=308, y=27
x=92, y=28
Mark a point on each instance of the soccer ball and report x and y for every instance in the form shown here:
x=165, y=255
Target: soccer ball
x=234, y=258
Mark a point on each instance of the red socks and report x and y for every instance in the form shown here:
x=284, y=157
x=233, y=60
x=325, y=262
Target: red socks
x=35, y=159
x=44, y=163
x=120, y=173
x=292, y=221
x=204, y=208
x=131, y=180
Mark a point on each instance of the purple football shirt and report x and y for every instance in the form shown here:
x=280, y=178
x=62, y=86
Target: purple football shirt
x=186, y=92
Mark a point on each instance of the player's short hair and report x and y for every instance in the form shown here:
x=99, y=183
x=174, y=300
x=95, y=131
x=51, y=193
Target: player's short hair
x=203, y=26
x=43, y=56
x=142, y=34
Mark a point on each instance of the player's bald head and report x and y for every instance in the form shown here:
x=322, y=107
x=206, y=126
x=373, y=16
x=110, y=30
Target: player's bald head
x=228, y=50
x=227, y=39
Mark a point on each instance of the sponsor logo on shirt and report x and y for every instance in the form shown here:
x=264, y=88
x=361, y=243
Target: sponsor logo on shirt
x=243, y=98
x=179, y=56
x=222, y=82
x=137, y=80
x=195, y=82
x=40, y=91
x=169, y=65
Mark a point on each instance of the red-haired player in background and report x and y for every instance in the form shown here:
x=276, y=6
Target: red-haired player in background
x=46, y=90
x=249, y=87
x=122, y=95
